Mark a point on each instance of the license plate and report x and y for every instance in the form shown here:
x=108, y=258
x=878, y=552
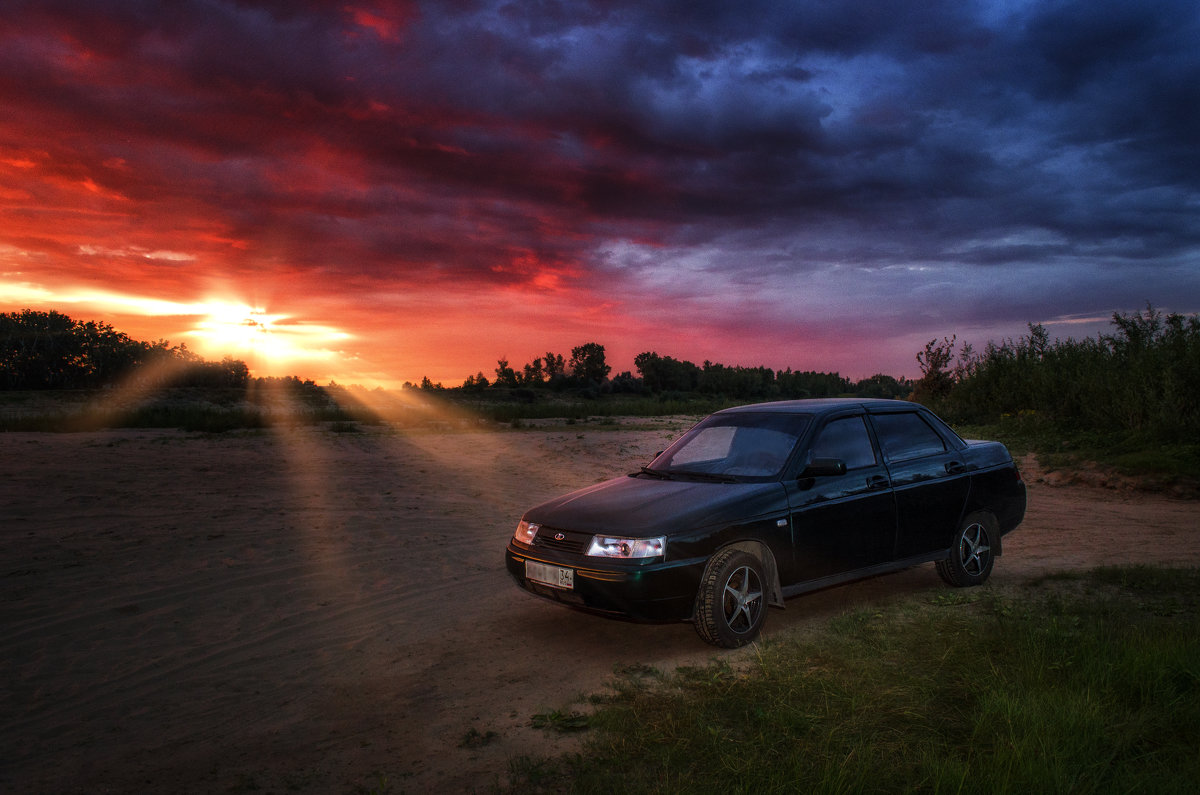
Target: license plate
x=554, y=576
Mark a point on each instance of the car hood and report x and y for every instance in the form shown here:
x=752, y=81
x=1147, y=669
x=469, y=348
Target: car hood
x=647, y=506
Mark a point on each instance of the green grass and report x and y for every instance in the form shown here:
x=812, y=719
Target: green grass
x=1086, y=683
x=191, y=409
x=1157, y=462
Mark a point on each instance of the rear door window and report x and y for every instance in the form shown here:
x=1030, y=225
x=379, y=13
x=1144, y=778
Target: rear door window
x=906, y=436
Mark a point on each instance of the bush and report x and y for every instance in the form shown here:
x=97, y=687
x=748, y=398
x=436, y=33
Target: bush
x=1143, y=378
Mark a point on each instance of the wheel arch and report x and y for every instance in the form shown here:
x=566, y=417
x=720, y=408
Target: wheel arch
x=770, y=568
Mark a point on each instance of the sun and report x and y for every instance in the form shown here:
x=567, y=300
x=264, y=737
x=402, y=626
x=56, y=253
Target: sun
x=237, y=326
x=265, y=340
x=244, y=331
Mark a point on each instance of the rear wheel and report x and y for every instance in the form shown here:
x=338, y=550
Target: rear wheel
x=971, y=557
x=731, y=605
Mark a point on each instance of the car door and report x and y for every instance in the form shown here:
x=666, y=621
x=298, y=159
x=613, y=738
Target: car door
x=928, y=479
x=842, y=522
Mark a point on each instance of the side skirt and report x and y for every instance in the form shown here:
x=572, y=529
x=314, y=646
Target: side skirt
x=861, y=574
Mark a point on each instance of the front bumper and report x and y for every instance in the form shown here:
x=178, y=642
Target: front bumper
x=653, y=592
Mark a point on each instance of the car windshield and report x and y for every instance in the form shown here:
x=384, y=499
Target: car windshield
x=736, y=446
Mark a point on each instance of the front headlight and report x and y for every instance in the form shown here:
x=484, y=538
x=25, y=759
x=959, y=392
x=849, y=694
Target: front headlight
x=525, y=532
x=616, y=547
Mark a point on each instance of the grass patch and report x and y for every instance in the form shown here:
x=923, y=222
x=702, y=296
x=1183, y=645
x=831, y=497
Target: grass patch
x=1156, y=462
x=1088, y=684
x=559, y=721
x=204, y=410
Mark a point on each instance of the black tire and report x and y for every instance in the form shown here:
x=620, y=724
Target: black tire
x=732, y=603
x=971, y=556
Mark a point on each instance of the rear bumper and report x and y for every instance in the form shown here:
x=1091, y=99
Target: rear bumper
x=1011, y=511
x=652, y=592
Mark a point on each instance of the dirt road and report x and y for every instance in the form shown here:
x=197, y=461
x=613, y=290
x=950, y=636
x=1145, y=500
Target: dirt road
x=305, y=611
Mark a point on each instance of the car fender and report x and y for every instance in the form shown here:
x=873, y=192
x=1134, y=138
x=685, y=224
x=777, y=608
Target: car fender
x=770, y=567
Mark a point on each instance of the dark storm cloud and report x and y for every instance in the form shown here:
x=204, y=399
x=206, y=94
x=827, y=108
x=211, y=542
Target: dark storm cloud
x=453, y=139
x=935, y=125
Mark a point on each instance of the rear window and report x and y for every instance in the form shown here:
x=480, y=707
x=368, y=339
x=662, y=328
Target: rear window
x=905, y=436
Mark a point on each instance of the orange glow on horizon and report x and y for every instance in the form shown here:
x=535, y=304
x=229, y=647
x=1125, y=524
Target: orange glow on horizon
x=270, y=343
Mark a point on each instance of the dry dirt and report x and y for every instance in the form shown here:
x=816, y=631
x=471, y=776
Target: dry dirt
x=305, y=611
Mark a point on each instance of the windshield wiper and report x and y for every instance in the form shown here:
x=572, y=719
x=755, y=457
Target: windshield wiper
x=711, y=477
x=654, y=473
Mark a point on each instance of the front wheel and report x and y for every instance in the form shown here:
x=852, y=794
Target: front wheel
x=731, y=605
x=971, y=557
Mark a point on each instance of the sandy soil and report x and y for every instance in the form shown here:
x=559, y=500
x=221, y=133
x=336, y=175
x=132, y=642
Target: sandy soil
x=300, y=610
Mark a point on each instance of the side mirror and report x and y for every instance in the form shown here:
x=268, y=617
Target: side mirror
x=824, y=467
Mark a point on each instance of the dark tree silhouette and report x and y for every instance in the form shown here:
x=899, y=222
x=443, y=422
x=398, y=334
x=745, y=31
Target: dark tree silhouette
x=587, y=363
x=475, y=383
x=505, y=375
x=554, y=365
x=883, y=386
x=664, y=374
x=936, y=379
x=49, y=350
x=533, y=374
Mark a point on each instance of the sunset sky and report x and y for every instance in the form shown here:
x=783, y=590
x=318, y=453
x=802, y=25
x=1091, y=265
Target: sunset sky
x=372, y=192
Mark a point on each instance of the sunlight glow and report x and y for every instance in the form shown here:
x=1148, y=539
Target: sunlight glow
x=236, y=325
x=221, y=327
x=245, y=330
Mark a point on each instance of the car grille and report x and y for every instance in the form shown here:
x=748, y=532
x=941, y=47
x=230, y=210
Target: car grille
x=547, y=538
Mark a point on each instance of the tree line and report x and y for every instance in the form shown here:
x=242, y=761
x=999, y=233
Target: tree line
x=49, y=350
x=587, y=372
x=1142, y=377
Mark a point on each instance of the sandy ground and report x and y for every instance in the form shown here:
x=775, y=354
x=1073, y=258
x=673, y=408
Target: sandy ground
x=305, y=611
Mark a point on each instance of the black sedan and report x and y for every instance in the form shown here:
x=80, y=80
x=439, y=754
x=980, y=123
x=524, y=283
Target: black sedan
x=759, y=503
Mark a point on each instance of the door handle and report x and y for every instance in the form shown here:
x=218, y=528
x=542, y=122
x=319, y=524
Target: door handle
x=954, y=467
x=877, y=482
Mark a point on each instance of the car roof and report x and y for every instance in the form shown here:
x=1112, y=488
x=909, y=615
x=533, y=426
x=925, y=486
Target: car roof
x=821, y=406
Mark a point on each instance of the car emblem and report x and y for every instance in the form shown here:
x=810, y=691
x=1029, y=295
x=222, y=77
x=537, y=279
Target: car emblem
x=559, y=536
